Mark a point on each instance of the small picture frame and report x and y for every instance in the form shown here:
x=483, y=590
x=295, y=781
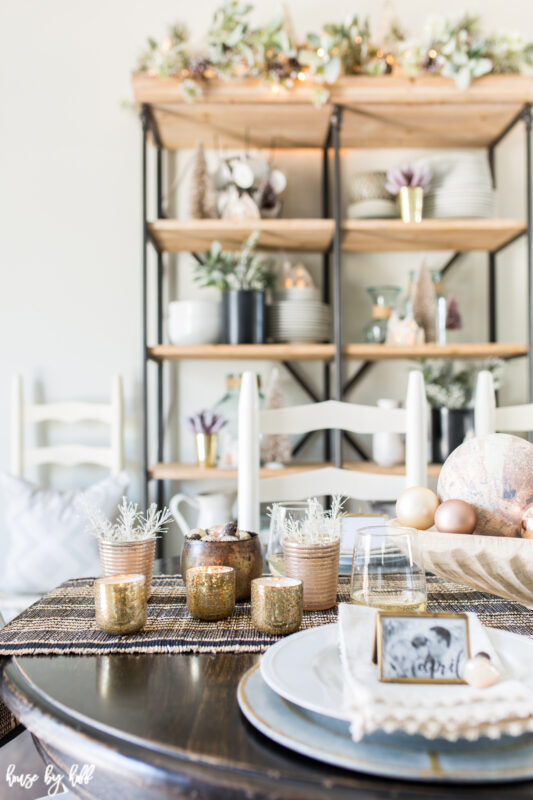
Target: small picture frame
x=422, y=648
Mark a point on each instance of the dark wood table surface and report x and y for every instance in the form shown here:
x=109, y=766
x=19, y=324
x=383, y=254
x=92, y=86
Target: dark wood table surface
x=158, y=726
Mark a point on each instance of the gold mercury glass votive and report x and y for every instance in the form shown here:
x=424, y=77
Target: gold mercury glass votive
x=277, y=605
x=210, y=592
x=120, y=603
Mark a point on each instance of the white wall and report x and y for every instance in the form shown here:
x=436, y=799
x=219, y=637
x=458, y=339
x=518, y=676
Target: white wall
x=70, y=208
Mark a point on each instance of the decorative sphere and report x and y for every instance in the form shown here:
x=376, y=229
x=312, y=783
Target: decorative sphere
x=455, y=516
x=494, y=474
x=416, y=507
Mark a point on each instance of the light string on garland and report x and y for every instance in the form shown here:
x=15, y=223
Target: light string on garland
x=232, y=48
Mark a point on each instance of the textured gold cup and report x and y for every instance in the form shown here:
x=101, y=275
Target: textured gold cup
x=277, y=605
x=210, y=592
x=318, y=567
x=206, y=449
x=128, y=558
x=120, y=603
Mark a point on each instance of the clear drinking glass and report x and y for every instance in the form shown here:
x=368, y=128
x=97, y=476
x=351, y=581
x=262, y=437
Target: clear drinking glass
x=281, y=513
x=388, y=570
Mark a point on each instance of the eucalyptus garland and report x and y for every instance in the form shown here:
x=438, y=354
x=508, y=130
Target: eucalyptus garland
x=232, y=48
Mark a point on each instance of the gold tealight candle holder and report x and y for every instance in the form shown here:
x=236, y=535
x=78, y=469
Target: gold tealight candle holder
x=210, y=592
x=277, y=605
x=120, y=603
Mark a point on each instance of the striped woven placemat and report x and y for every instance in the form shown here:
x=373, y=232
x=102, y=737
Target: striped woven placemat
x=62, y=623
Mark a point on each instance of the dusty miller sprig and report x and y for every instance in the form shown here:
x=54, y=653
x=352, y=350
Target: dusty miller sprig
x=320, y=526
x=131, y=525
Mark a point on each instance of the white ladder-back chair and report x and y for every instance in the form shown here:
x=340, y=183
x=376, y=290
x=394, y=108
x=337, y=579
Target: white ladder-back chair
x=68, y=455
x=330, y=414
x=489, y=419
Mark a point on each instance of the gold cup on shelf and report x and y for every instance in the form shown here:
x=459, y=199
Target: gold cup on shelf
x=411, y=202
x=206, y=449
x=277, y=605
x=210, y=592
x=120, y=603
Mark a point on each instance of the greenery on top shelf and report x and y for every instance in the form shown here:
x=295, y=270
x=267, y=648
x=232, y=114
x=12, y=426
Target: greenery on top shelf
x=233, y=48
x=451, y=384
x=240, y=270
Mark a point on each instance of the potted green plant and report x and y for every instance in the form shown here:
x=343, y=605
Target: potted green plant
x=243, y=278
x=450, y=387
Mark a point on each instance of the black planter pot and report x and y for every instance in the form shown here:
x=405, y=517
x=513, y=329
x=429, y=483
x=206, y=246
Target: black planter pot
x=449, y=427
x=243, y=316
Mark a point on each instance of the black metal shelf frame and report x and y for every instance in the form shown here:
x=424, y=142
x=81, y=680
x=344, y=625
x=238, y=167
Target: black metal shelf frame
x=332, y=140
x=331, y=288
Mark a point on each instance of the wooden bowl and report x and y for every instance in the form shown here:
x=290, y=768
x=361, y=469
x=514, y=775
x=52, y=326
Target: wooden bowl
x=246, y=558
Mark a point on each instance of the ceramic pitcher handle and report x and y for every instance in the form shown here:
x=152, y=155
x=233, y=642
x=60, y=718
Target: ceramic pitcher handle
x=178, y=516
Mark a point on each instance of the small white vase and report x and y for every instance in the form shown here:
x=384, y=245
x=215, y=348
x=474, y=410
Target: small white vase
x=388, y=449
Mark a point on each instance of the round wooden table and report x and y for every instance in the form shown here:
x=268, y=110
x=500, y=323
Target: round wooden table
x=157, y=726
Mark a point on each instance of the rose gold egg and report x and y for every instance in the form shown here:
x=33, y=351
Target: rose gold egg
x=416, y=507
x=526, y=523
x=455, y=516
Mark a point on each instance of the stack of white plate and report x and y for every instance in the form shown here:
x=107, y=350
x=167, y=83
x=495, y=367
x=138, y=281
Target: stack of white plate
x=461, y=186
x=295, y=698
x=302, y=321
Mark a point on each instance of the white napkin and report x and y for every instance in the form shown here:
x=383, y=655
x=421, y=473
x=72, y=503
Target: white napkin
x=450, y=711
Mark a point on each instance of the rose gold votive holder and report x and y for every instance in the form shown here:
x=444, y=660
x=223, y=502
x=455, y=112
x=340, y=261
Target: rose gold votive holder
x=210, y=592
x=120, y=603
x=277, y=605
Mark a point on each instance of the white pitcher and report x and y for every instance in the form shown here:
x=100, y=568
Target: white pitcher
x=214, y=508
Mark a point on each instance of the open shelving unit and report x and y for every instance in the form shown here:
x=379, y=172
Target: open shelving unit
x=362, y=112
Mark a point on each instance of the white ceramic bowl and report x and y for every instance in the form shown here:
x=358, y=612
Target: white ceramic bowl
x=194, y=322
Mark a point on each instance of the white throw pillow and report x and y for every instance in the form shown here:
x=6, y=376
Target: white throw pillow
x=46, y=540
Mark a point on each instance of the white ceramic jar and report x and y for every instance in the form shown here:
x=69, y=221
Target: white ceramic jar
x=388, y=449
x=194, y=322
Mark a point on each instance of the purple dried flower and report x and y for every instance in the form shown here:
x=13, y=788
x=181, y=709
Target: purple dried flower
x=205, y=422
x=410, y=175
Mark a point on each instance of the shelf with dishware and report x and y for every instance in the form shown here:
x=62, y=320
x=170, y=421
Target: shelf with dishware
x=191, y=472
x=361, y=112
x=326, y=352
x=362, y=235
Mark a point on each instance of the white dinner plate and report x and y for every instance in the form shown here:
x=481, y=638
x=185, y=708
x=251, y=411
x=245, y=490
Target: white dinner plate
x=305, y=668
x=389, y=755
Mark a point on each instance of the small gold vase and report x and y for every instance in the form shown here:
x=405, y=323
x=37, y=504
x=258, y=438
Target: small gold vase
x=411, y=202
x=206, y=449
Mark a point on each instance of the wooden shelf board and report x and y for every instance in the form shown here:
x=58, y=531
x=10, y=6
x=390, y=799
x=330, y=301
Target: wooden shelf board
x=381, y=235
x=196, y=235
x=358, y=236
x=251, y=352
x=325, y=352
x=383, y=352
x=378, y=111
x=191, y=472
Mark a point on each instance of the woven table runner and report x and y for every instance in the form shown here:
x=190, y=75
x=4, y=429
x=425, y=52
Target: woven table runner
x=62, y=622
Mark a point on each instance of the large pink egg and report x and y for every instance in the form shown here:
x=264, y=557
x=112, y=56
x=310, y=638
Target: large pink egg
x=416, y=507
x=455, y=516
x=494, y=474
